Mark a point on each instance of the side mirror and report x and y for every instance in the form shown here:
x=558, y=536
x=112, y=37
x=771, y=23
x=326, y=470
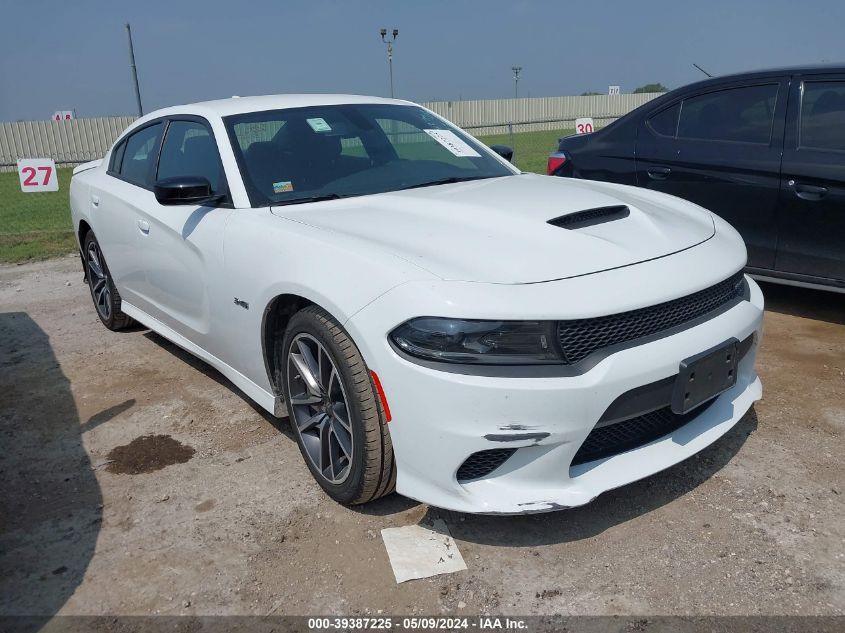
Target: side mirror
x=504, y=151
x=191, y=190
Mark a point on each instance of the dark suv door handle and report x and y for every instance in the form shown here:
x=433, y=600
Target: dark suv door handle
x=808, y=192
x=659, y=173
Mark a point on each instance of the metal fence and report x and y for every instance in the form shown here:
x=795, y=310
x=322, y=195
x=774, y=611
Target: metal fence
x=74, y=141
x=493, y=116
x=80, y=140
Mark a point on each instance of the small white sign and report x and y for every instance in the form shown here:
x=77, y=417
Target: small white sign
x=63, y=115
x=452, y=142
x=613, y=90
x=584, y=125
x=37, y=174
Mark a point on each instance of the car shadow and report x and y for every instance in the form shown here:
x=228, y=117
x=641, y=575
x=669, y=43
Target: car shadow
x=50, y=501
x=607, y=510
x=807, y=303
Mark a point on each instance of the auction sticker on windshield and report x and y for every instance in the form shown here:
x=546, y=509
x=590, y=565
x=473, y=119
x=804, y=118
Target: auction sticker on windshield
x=319, y=125
x=451, y=141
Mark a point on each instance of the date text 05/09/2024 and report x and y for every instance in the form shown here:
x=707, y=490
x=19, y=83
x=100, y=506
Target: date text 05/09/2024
x=486, y=623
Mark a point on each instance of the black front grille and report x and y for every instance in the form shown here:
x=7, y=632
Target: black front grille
x=623, y=436
x=581, y=337
x=483, y=463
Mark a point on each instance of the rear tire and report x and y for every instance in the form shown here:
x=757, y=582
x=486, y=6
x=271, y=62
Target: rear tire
x=334, y=409
x=104, y=294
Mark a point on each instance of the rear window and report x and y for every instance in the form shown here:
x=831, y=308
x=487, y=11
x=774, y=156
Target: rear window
x=823, y=115
x=742, y=115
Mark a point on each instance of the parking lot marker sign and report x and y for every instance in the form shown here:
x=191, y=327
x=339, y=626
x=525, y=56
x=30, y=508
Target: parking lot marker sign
x=37, y=174
x=584, y=125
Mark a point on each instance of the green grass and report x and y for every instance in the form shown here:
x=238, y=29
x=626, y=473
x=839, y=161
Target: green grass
x=34, y=225
x=531, y=149
x=37, y=225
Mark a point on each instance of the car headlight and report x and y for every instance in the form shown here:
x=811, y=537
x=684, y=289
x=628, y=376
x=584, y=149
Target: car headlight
x=479, y=342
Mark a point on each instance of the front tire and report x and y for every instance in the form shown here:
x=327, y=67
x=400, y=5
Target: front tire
x=104, y=294
x=334, y=409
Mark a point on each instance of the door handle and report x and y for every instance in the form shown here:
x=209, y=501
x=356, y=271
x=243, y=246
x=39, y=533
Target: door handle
x=144, y=226
x=659, y=173
x=808, y=192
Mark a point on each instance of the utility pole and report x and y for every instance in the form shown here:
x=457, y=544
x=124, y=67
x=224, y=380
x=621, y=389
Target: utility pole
x=389, y=42
x=134, y=71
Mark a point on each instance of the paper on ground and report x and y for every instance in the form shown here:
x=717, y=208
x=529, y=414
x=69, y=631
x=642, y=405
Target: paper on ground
x=416, y=551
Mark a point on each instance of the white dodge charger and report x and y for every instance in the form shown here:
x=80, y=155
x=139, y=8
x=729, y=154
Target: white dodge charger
x=430, y=319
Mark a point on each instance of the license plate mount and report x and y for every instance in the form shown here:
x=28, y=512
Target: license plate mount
x=705, y=376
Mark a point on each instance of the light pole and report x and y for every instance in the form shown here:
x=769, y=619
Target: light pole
x=516, y=70
x=389, y=42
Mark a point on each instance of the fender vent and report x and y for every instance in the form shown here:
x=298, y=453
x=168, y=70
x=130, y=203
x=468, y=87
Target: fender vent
x=590, y=217
x=483, y=463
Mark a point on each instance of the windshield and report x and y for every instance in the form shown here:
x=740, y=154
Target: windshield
x=322, y=152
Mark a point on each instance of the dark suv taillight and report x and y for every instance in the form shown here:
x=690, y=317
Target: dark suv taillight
x=556, y=161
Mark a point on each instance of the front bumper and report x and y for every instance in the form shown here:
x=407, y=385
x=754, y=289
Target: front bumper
x=441, y=418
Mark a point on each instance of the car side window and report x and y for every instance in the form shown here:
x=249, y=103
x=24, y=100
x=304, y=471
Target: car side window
x=139, y=155
x=822, y=115
x=189, y=150
x=743, y=115
x=665, y=122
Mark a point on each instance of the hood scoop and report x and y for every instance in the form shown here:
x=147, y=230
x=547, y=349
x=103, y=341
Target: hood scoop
x=591, y=217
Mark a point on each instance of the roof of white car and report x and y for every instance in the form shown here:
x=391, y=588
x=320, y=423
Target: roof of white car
x=240, y=105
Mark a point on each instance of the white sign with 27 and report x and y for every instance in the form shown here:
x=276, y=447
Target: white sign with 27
x=37, y=174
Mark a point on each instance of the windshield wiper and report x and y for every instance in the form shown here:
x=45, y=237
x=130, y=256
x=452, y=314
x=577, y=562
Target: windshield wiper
x=327, y=196
x=446, y=181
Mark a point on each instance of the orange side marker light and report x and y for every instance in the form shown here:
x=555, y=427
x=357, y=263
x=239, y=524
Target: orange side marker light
x=381, y=395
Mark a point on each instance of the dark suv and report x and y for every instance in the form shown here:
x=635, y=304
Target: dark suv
x=764, y=150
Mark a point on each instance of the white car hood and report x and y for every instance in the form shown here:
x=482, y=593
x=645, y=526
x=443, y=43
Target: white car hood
x=497, y=230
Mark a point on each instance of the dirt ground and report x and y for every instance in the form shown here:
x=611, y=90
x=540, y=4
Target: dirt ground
x=216, y=513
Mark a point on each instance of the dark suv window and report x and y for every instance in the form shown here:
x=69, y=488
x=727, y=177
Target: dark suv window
x=742, y=115
x=139, y=154
x=189, y=150
x=823, y=115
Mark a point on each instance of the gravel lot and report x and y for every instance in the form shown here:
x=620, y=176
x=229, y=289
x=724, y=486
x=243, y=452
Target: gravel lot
x=235, y=525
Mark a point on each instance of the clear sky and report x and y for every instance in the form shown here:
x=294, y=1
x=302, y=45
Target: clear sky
x=61, y=55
